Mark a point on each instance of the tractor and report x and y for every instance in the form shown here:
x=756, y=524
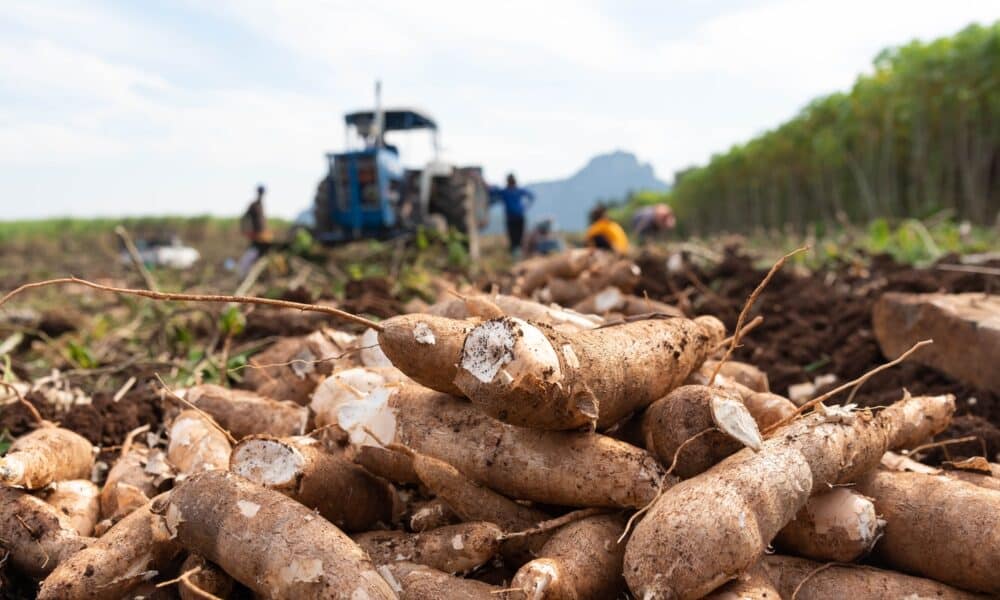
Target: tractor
x=368, y=194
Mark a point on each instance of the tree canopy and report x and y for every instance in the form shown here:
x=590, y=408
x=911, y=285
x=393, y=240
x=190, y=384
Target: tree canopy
x=918, y=134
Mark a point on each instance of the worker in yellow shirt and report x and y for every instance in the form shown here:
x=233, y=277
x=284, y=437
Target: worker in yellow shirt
x=605, y=233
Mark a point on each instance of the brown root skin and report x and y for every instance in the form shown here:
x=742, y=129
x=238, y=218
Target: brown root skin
x=196, y=445
x=740, y=372
x=819, y=581
x=534, y=376
x=990, y=481
x=131, y=552
x=420, y=582
x=684, y=421
x=703, y=545
x=291, y=368
x=752, y=585
x=622, y=275
x=45, y=455
x=768, y=409
x=938, y=527
x=613, y=300
x=472, y=501
x=561, y=319
x=914, y=425
x=537, y=273
x=581, y=561
x=564, y=468
x=451, y=549
x=244, y=413
x=204, y=578
x=301, y=469
x=426, y=347
x=78, y=500
x=268, y=542
x=608, y=300
x=128, y=486
x=387, y=464
x=837, y=526
x=431, y=514
x=36, y=535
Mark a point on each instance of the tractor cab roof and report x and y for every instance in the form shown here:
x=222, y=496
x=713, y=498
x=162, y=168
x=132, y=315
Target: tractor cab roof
x=396, y=119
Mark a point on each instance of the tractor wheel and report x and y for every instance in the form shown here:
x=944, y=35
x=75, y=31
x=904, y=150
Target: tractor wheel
x=450, y=198
x=321, y=203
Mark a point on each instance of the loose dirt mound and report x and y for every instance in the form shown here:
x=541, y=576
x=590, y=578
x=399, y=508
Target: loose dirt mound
x=104, y=422
x=820, y=323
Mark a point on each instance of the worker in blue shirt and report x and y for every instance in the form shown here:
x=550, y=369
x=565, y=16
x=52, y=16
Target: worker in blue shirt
x=515, y=204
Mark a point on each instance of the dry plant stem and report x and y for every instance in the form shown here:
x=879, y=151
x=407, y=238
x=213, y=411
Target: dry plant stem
x=179, y=297
x=753, y=324
x=195, y=445
x=133, y=253
x=556, y=523
x=690, y=409
x=673, y=465
x=929, y=445
x=202, y=579
x=130, y=439
x=849, y=384
x=27, y=405
x=969, y=269
x=822, y=567
x=737, y=333
x=191, y=406
x=302, y=361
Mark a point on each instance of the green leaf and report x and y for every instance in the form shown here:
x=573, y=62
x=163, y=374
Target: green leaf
x=81, y=357
x=232, y=321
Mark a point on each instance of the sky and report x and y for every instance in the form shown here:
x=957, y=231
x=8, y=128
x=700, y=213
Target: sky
x=155, y=107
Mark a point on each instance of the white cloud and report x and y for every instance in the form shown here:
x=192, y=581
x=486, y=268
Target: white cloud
x=537, y=87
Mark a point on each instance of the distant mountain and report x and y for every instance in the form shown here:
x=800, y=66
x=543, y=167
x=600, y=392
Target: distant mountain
x=605, y=177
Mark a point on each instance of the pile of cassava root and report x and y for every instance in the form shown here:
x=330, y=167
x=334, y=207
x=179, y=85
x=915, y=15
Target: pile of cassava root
x=498, y=446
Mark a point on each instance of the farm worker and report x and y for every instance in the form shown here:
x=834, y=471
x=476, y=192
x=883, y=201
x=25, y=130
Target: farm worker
x=542, y=239
x=650, y=220
x=605, y=233
x=516, y=202
x=253, y=224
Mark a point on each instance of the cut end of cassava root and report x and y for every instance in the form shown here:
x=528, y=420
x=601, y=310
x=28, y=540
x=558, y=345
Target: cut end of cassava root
x=508, y=348
x=270, y=462
x=733, y=419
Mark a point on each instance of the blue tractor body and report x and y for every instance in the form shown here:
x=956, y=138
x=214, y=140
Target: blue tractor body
x=365, y=191
x=368, y=194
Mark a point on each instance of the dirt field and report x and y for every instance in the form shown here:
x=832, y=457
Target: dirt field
x=110, y=349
